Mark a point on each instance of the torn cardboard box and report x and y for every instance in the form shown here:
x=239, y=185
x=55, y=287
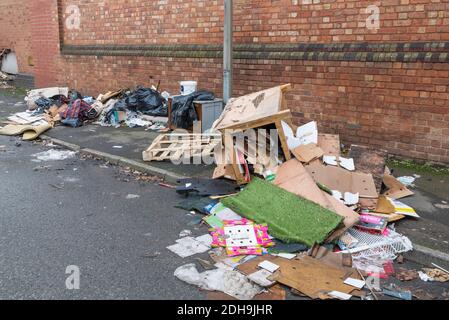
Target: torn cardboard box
x=344, y=181
x=330, y=144
x=307, y=153
x=252, y=107
x=396, y=190
x=368, y=160
x=312, y=277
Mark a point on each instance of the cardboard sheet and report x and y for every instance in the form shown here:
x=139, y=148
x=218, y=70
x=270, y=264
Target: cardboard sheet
x=330, y=144
x=396, y=190
x=344, y=181
x=293, y=177
x=335, y=260
x=391, y=217
x=312, y=277
x=371, y=161
x=307, y=153
x=260, y=278
x=403, y=209
x=251, y=107
x=384, y=205
x=367, y=203
x=252, y=265
x=275, y=292
x=224, y=171
x=351, y=217
x=25, y=118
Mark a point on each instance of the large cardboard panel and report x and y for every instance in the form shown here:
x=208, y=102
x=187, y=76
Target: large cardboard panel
x=344, y=181
x=351, y=218
x=396, y=190
x=330, y=144
x=313, y=277
x=371, y=161
x=251, y=107
x=293, y=177
x=307, y=153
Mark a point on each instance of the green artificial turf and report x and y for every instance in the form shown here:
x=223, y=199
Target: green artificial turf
x=290, y=218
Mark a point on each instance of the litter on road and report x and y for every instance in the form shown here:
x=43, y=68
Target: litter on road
x=286, y=206
x=54, y=155
x=335, y=209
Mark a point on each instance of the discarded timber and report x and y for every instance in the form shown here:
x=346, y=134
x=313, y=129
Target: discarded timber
x=176, y=146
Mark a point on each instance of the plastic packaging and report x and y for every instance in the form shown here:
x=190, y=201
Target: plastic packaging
x=183, y=110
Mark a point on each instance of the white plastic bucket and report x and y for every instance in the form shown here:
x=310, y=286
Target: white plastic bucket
x=188, y=87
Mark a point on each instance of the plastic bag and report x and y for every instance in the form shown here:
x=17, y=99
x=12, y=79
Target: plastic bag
x=230, y=282
x=183, y=110
x=146, y=101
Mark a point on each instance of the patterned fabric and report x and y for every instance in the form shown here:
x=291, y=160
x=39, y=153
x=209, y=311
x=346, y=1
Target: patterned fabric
x=261, y=235
x=76, y=113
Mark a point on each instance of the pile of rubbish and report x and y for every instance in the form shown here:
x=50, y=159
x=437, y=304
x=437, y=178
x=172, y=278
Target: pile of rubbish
x=309, y=217
x=285, y=207
x=140, y=107
x=5, y=80
x=5, y=76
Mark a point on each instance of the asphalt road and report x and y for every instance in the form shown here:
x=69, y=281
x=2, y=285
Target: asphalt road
x=76, y=212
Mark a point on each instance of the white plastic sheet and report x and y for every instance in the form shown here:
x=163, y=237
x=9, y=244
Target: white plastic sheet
x=53, y=155
x=230, y=282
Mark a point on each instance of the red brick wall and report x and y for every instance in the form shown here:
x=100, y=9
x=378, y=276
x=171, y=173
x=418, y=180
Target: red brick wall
x=139, y=22
x=15, y=32
x=402, y=107
x=45, y=41
x=263, y=21
x=399, y=105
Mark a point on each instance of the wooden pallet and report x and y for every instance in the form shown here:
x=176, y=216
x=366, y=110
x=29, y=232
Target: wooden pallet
x=176, y=146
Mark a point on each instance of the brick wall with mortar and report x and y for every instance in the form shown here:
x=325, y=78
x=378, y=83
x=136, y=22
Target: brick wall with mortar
x=44, y=21
x=264, y=21
x=387, y=87
x=15, y=32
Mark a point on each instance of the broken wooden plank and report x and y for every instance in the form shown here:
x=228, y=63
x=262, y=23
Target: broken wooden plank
x=177, y=146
